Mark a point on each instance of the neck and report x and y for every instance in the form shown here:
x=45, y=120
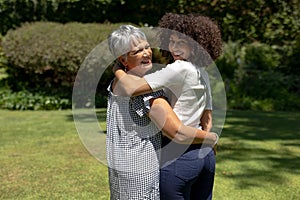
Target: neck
x=132, y=72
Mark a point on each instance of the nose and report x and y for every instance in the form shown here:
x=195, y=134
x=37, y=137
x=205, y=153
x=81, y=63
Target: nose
x=146, y=53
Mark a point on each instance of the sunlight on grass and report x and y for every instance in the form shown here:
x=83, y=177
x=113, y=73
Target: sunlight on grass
x=42, y=157
x=257, y=157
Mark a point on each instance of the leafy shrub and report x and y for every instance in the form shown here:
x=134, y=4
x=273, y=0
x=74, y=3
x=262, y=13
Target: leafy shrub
x=255, y=79
x=229, y=61
x=45, y=56
x=292, y=67
x=25, y=100
x=3, y=60
x=257, y=75
x=15, y=12
x=271, y=21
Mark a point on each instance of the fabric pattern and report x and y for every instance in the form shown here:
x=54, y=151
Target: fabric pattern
x=132, y=145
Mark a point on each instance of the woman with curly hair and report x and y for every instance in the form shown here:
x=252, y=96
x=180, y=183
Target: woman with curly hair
x=192, y=42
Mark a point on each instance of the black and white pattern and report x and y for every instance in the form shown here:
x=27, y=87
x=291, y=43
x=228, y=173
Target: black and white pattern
x=133, y=144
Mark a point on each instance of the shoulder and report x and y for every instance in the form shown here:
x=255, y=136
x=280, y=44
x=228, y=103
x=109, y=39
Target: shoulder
x=181, y=64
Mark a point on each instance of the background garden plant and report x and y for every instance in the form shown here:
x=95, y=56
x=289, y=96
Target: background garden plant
x=44, y=42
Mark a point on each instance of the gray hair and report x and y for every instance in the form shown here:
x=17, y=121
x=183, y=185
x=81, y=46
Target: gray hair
x=120, y=40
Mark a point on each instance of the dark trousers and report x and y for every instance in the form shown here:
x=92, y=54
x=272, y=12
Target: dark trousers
x=189, y=177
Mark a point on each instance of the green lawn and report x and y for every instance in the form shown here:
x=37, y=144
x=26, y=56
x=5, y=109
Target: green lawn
x=42, y=157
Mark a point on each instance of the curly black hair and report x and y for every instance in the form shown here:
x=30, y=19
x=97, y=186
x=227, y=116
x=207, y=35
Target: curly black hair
x=196, y=28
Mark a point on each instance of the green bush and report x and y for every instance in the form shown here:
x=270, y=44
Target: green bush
x=15, y=12
x=255, y=77
x=3, y=61
x=292, y=66
x=25, y=100
x=45, y=56
x=271, y=21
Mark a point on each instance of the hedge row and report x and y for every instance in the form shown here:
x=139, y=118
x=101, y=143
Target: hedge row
x=272, y=21
x=16, y=12
x=45, y=56
x=258, y=76
x=24, y=100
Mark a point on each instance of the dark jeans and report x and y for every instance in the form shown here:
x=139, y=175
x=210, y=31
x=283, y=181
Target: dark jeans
x=190, y=177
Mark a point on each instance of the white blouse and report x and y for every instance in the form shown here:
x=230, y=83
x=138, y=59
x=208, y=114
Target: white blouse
x=187, y=88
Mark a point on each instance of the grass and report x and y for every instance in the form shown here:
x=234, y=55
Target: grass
x=42, y=157
x=259, y=157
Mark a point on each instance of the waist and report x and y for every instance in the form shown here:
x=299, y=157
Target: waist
x=188, y=147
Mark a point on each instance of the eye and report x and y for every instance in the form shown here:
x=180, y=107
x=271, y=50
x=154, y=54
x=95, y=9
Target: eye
x=181, y=43
x=138, y=51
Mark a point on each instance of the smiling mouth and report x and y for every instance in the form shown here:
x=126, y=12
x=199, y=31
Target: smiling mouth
x=146, y=62
x=177, y=53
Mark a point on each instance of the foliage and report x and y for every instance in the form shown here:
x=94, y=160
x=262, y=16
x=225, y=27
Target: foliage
x=3, y=61
x=15, y=12
x=230, y=59
x=258, y=75
x=272, y=22
x=255, y=80
x=291, y=65
x=273, y=26
x=45, y=56
x=25, y=100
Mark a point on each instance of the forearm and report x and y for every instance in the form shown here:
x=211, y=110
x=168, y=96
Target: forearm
x=130, y=85
x=206, y=120
x=164, y=117
x=195, y=136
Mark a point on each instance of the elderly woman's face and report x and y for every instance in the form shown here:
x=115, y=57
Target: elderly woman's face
x=139, y=59
x=179, y=48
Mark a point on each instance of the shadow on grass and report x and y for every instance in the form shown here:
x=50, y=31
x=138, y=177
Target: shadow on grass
x=90, y=116
x=265, y=145
x=262, y=146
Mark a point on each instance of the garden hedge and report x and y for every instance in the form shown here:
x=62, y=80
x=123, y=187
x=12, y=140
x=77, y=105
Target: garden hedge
x=45, y=56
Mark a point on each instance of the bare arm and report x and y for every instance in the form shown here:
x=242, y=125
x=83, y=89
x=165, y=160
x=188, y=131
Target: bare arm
x=206, y=124
x=130, y=85
x=206, y=120
x=164, y=117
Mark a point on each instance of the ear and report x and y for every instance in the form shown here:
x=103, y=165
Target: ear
x=122, y=60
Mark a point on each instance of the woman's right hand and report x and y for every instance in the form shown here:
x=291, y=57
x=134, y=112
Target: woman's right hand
x=215, y=141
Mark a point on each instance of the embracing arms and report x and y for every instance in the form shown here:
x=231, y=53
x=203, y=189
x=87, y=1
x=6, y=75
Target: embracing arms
x=164, y=117
x=130, y=85
x=206, y=120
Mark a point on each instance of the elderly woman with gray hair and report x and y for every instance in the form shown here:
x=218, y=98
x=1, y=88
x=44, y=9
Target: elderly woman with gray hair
x=134, y=128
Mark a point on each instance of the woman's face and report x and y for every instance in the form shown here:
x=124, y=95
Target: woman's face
x=139, y=59
x=179, y=48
